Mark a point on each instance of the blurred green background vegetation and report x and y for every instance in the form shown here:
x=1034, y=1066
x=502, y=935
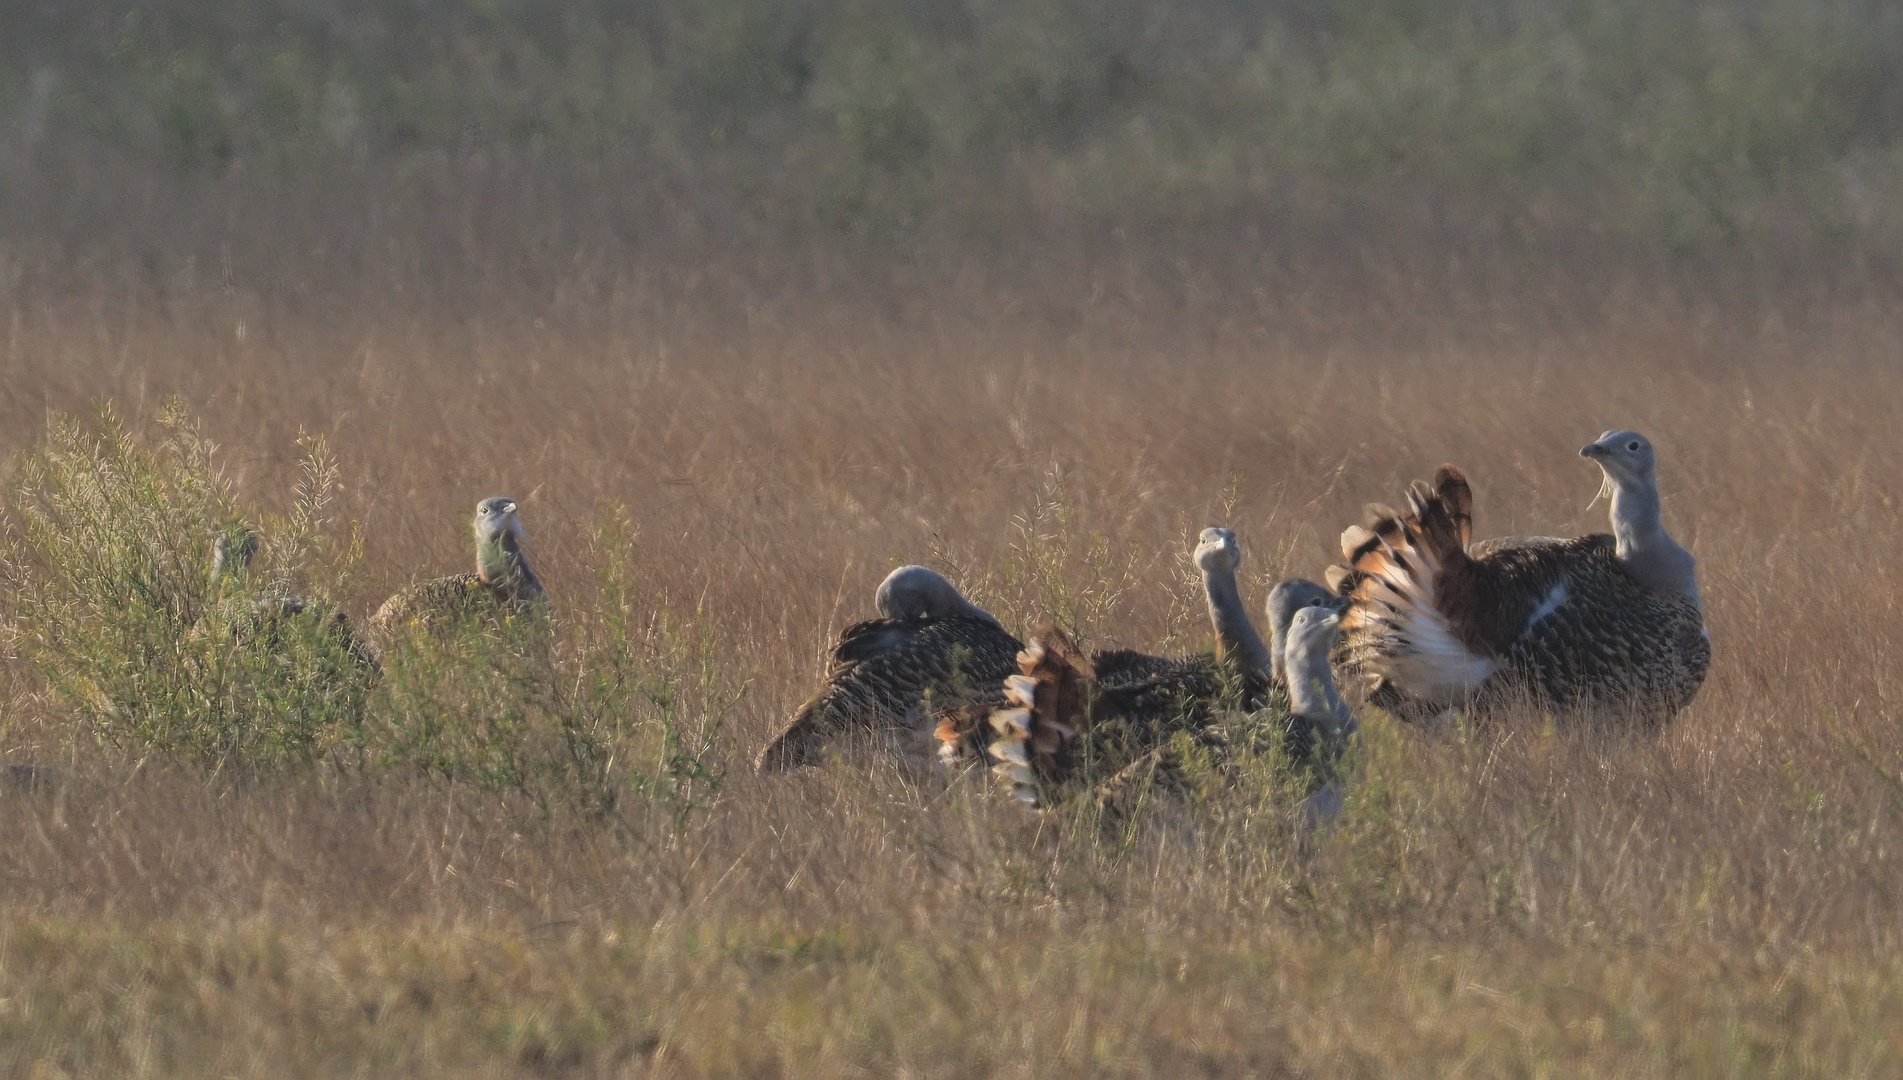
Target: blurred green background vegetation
x=1660, y=121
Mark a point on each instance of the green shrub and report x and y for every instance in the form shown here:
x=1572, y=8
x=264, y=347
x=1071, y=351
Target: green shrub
x=481, y=700
x=116, y=609
x=611, y=704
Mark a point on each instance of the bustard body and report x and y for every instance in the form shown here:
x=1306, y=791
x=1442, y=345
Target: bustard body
x=928, y=645
x=502, y=584
x=1055, y=691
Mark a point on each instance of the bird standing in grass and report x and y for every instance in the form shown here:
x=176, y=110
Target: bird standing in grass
x=503, y=582
x=1320, y=726
x=1597, y=625
x=928, y=642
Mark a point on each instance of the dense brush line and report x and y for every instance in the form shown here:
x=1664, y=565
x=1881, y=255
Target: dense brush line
x=1689, y=120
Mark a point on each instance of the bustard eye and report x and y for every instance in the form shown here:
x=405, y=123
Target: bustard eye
x=1633, y=445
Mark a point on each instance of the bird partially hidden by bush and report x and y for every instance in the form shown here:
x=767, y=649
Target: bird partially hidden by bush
x=502, y=585
x=264, y=616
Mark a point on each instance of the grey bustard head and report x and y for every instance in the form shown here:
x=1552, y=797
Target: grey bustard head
x=1630, y=467
x=1217, y=551
x=915, y=592
x=499, y=538
x=232, y=550
x=1285, y=600
x=1626, y=458
x=496, y=521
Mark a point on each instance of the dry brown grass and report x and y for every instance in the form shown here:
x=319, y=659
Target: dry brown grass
x=1723, y=899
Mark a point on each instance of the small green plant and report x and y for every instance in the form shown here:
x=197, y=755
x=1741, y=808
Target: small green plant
x=659, y=686
x=1051, y=553
x=482, y=699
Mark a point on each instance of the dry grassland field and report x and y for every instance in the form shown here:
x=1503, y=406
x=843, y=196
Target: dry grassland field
x=723, y=425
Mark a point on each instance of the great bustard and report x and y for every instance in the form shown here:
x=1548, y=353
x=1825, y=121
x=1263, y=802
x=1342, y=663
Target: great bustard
x=1320, y=726
x=928, y=642
x=1608, y=625
x=503, y=583
x=261, y=615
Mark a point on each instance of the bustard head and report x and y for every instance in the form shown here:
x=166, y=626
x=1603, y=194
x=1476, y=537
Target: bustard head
x=1313, y=628
x=233, y=549
x=1217, y=551
x=1293, y=595
x=1627, y=459
x=914, y=592
x=496, y=520
x=1285, y=600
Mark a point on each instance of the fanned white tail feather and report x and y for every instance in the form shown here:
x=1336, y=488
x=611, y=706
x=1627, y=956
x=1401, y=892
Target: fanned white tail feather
x=1405, y=637
x=1025, y=738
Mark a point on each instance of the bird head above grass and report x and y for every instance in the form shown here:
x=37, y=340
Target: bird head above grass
x=1313, y=629
x=1627, y=459
x=916, y=592
x=496, y=521
x=1291, y=596
x=1217, y=551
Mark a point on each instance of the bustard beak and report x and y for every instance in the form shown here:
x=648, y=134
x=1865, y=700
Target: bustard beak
x=1593, y=452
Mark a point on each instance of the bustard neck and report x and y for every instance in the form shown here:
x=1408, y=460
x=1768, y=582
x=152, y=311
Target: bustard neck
x=1311, y=688
x=500, y=562
x=1646, y=549
x=1235, y=634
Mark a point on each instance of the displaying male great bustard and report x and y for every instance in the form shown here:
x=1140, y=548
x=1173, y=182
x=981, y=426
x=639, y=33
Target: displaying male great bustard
x=1610, y=625
x=1055, y=691
x=502, y=584
x=927, y=640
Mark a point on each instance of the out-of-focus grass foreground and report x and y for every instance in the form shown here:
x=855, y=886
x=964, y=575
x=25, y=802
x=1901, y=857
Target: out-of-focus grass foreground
x=746, y=303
